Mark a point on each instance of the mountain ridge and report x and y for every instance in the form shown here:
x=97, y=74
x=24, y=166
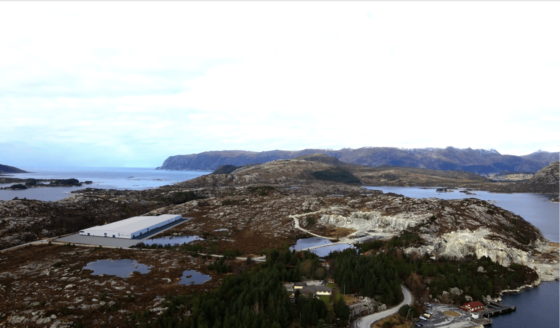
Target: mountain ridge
x=446, y=159
x=10, y=169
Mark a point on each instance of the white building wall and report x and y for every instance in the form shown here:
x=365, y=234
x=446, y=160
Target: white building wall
x=121, y=232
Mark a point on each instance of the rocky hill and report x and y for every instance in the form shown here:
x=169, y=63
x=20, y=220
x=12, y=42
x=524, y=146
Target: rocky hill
x=544, y=181
x=447, y=159
x=323, y=169
x=10, y=169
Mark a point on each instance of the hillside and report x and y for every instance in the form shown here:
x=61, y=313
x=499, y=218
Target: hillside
x=545, y=181
x=10, y=169
x=320, y=168
x=447, y=159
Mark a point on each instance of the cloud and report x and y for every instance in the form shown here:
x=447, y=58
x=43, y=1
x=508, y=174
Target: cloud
x=128, y=84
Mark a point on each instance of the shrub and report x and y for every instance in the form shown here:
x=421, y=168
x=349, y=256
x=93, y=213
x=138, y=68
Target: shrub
x=336, y=175
x=310, y=220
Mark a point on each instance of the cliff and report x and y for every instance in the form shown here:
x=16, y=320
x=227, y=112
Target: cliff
x=447, y=159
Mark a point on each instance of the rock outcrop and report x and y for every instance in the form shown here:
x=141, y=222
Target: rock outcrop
x=545, y=180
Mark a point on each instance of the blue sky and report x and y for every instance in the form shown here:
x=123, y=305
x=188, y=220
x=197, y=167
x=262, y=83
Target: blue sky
x=131, y=83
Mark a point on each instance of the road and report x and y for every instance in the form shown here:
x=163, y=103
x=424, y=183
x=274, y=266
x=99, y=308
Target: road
x=297, y=226
x=367, y=321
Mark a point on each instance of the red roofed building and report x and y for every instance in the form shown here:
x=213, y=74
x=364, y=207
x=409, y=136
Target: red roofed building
x=473, y=306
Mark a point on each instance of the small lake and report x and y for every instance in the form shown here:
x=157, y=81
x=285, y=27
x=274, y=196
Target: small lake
x=325, y=251
x=534, y=208
x=304, y=243
x=119, y=268
x=192, y=277
x=174, y=240
x=103, y=177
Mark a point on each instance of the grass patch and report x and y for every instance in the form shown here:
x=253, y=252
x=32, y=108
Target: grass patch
x=327, y=301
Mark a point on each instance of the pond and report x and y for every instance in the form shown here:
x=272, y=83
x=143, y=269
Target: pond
x=304, y=243
x=119, y=268
x=325, y=251
x=192, y=277
x=171, y=240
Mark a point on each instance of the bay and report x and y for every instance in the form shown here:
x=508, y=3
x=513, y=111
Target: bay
x=121, y=178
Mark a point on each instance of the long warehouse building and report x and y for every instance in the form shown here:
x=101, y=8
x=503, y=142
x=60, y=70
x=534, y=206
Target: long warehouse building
x=132, y=227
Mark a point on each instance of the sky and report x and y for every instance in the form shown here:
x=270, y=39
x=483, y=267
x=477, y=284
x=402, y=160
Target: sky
x=127, y=84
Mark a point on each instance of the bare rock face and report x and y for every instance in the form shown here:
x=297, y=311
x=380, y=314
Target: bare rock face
x=374, y=220
x=458, y=244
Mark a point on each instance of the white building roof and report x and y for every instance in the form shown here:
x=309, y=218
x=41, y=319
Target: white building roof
x=133, y=224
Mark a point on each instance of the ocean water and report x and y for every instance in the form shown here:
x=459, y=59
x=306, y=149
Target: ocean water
x=103, y=177
x=536, y=307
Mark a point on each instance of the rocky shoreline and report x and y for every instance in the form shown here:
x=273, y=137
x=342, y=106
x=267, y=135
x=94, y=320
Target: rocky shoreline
x=21, y=184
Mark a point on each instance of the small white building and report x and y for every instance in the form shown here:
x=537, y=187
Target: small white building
x=132, y=227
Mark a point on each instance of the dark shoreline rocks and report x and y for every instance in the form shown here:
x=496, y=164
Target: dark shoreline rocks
x=21, y=184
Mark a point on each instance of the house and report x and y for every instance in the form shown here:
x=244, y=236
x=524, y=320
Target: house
x=322, y=290
x=311, y=291
x=299, y=285
x=472, y=306
x=289, y=288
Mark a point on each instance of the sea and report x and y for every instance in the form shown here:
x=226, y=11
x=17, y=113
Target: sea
x=130, y=178
x=536, y=307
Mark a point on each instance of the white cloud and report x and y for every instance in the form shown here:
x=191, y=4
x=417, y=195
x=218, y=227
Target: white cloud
x=130, y=83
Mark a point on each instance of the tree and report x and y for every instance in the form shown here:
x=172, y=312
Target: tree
x=341, y=309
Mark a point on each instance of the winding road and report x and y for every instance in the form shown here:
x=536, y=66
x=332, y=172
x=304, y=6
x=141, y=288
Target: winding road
x=367, y=321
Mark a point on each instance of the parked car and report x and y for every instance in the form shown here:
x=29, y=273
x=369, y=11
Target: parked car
x=423, y=318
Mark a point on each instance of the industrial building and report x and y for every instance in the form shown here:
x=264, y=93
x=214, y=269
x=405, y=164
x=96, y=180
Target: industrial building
x=132, y=227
